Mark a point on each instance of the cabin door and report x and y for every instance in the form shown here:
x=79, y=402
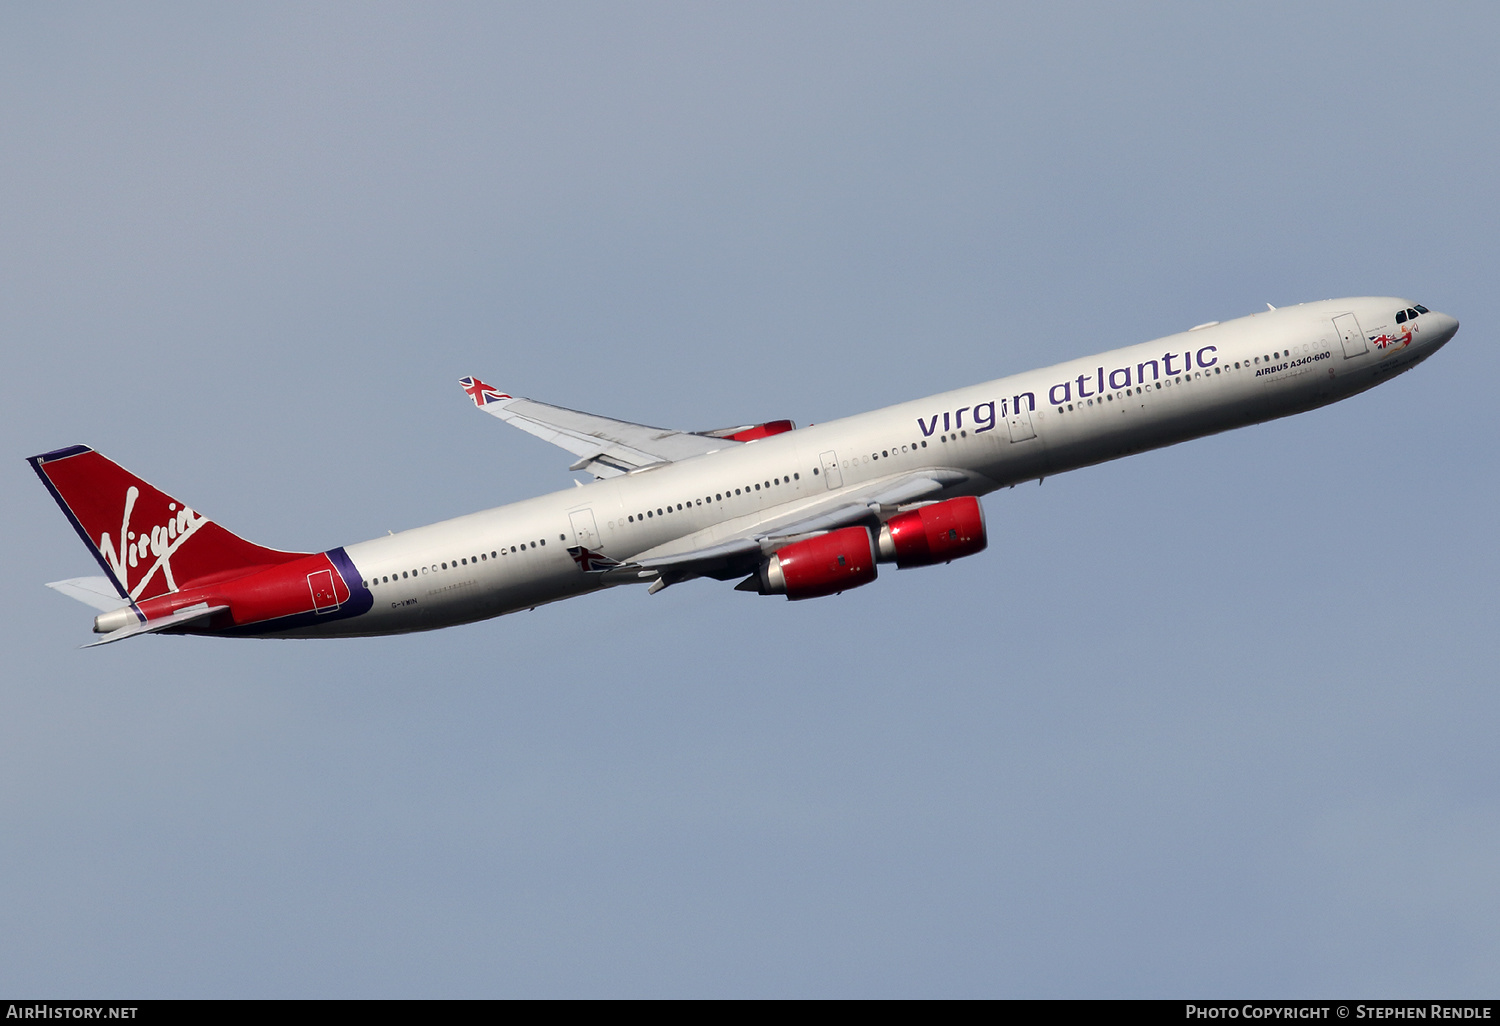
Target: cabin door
x=1020, y=424
x=831, y=475
x=1350, y=334
x=324, y=598
x=585, y=532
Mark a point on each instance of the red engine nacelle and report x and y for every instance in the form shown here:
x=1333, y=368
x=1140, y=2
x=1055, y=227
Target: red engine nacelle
x=829, y=563
x=934, y=534
x=751, y=432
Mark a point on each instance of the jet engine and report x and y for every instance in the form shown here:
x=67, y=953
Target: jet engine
x=824, y=565
x=934, y=534
x=750, y=432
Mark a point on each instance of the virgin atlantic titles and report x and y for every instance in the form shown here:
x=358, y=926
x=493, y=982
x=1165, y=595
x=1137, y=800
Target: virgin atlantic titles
x=783, y=512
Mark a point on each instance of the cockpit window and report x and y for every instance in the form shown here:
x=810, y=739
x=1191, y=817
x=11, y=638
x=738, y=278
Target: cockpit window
x=1401, y=317
x=1422, y=309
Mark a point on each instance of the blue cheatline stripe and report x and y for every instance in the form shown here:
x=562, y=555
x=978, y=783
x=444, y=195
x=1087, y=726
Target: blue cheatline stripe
x=360, y=600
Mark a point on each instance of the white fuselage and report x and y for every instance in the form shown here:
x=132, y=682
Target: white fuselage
x=997, y=433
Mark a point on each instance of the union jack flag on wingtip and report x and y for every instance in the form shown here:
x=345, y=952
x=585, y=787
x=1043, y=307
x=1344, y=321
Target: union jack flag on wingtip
x=480, y=392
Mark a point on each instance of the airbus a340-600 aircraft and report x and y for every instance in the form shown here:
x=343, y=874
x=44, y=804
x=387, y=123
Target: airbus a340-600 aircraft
x=797, y=513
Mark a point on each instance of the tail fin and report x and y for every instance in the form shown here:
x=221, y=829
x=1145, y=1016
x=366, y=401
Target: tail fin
x=148, y=543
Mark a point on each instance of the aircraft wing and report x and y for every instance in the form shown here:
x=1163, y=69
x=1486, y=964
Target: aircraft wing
x=605, y=447
x=728, y=557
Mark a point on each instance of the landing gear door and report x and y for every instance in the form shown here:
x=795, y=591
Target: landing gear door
x=585, y=531
x=1351, y=335
x=831, y=476
x=1019, y=422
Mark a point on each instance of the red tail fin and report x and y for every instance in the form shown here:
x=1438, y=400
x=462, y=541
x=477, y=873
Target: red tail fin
x=148, y=543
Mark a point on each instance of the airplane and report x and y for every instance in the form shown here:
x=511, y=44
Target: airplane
x=801, y=513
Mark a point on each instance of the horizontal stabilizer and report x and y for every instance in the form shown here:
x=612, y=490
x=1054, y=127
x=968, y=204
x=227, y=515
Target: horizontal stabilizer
x=181, y=618
x=97, y=592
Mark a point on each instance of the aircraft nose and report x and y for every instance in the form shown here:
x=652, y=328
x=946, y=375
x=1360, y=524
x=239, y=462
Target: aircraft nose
x=1446, y=327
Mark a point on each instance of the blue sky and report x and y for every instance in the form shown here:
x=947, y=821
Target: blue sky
x=1217, y=720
